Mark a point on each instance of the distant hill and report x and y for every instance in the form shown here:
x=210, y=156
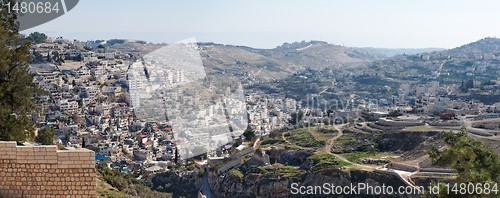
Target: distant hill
x=251, y=64
x=282, y=61
x=486, y=45
x=112, y=42
x=389, y=52
x=477, y=61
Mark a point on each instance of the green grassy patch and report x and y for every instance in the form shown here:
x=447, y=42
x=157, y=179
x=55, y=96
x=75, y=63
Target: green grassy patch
x=353, y=142
x=236, y=174
x=304, y=138
x=316, y=158
x=326, y=160
x=281, y=170
x=297, y=139
x=418, y=128
x=346, y=139
x=356, y=156
x=323, y=134
x=272, y=142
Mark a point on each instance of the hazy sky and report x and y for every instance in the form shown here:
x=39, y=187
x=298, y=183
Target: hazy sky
x=269, y=23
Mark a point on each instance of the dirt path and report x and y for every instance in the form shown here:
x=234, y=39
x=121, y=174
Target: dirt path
x=330, y=142
x=256, y=144
x=329, y=145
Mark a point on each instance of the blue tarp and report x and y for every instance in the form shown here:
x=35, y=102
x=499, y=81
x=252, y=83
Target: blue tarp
x=100, y=157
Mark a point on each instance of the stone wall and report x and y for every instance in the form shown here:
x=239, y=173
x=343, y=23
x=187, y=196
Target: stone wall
x=399, y=123
x=401, y=166
x=44, y=171
x=229, y=165
x=246, y=151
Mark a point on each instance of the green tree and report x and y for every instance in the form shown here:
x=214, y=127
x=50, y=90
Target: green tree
x=37, y=37
x=46, y=136
x=249, y=134
x=296, y=117
x=16, y=83
x=37, y=58
x=474, y=161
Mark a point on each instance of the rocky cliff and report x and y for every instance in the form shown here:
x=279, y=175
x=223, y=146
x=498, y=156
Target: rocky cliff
x=265, y=185
x=184, y=184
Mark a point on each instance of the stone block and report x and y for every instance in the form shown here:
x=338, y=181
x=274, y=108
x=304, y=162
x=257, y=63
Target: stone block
x=10, y=144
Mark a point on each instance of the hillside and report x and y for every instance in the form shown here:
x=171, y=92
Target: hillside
x=280, y=62
x=118, y=185
x=389, y=52
x=486, y=45
x=247, y=63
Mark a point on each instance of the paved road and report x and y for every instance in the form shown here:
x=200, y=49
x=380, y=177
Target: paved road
x=205, y=188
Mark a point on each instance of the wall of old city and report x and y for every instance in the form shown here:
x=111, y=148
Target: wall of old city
x=44, y=171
